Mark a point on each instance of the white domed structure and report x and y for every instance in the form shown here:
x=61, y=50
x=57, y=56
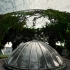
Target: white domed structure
x=35, y=55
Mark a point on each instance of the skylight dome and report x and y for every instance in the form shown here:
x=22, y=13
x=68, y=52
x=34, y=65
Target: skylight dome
x=35, y=55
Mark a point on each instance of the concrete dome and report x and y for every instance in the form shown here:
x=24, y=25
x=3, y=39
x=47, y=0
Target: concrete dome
x=35, y=55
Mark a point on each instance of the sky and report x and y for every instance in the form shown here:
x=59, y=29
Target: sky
x=17, y=5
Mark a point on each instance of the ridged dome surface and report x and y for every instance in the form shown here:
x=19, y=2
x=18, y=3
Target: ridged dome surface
x=35, y=55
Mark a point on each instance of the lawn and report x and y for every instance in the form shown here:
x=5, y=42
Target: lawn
x=3, y=56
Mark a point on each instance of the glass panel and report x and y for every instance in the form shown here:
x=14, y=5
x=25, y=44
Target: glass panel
x=47, y=47
x=24, y=56
x=24, y=65
x=39, y=52
x=33, y=57
x=56, y=63
x=15, y=52
x=53, y=53
x=48, y=56
x=26, y=53
x=19, y=61
x=42, y=62
x=55, y=60
x=12, y=58
x=57, y=56
x=15, y=56
x=49, y=61
x=59, y=60
x=34, y=65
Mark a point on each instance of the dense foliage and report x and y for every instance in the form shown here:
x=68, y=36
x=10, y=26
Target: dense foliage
x=11, y=29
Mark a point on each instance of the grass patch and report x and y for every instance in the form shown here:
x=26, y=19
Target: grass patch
x=3, y=56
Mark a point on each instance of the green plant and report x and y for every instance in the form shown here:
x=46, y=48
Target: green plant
x=3, y=56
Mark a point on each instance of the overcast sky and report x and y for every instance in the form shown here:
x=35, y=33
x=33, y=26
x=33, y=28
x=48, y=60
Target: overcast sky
x=15, y=5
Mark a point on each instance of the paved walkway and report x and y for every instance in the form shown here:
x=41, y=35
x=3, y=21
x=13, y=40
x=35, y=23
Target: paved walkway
x=1, y=64
x=67, y=61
